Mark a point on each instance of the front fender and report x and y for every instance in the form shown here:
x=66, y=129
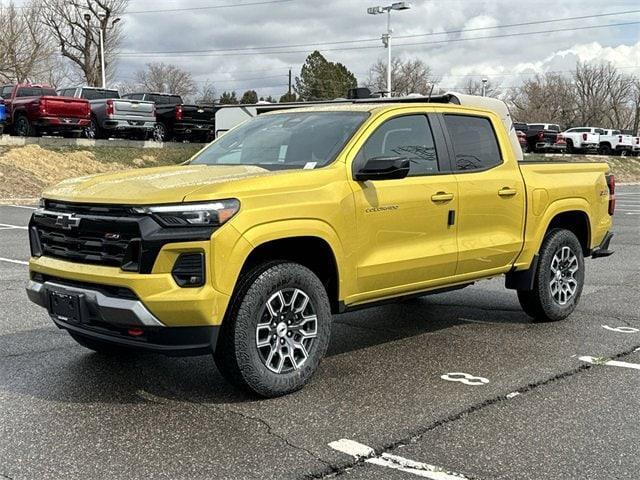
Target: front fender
x=278, y=230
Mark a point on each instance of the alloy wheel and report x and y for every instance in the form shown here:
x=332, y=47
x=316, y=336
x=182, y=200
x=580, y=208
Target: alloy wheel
x=286, y=330
x=563, y=283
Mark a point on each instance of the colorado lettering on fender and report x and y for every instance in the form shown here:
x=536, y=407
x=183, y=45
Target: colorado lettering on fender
x=381, y=209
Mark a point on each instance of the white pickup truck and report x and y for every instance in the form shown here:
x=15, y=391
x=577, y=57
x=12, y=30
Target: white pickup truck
x=614, y=141
x=582, y=139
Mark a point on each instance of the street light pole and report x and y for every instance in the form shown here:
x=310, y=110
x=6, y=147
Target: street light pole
x=104, y=77
x=484, y=87
x=386, y=37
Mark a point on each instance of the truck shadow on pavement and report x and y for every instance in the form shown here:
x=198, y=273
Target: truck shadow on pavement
x=51, y=367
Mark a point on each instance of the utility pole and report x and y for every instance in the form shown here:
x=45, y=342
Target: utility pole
x=484, y=87
x=386, y=37
x=289, y=82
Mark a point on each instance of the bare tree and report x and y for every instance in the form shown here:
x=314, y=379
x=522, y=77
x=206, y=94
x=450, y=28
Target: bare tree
x=474, y=87
x=166, y=78
x=207, y=93
x=407, y=76
x=26, y=48
x=550, y=97
x=76, y=27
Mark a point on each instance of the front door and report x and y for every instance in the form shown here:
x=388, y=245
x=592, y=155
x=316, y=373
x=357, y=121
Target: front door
x=406, y=234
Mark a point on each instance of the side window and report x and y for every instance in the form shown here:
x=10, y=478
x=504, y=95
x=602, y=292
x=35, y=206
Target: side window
x=409, y=136
x=474, y=142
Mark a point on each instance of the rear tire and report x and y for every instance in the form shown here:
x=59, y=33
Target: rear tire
x=103, y=348
x=559, y=278
x=270, y=343
x=22, y=127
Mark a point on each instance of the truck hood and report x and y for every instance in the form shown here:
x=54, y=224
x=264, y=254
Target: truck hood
x=148, y=186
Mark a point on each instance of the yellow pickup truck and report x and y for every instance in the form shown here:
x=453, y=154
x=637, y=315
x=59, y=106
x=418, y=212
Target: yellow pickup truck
x=248, y=249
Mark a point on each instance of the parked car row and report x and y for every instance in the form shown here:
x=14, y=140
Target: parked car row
x=33, y=110
x=548, y=137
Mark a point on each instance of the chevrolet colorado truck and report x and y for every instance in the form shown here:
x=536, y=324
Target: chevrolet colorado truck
x=176, y=120
x=36, y=109
x=114, y=116
x=247, y=249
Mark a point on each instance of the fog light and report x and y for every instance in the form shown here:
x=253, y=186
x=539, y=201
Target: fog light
x=188, y=271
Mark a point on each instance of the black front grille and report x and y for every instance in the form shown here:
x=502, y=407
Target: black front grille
x=103, y=238
x=83, y=247
x=109, y=235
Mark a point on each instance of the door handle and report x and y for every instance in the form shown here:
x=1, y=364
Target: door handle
x=507, y=192
x=442, y=197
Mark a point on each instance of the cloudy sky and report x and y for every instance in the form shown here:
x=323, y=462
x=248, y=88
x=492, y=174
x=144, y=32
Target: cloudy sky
x=230, y=43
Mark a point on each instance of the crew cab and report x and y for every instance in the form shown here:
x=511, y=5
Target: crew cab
x=246, y=250
x=545, y=137
x=114, y=116
x=177, y=120
x=582, y=139
x=614, y=141
x=36, y=109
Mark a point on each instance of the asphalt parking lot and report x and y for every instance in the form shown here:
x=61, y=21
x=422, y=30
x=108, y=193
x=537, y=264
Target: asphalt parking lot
x=536, y=401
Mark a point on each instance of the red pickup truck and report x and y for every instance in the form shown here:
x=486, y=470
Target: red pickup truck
x=36, y=109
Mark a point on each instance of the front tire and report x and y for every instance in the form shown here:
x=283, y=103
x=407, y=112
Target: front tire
x=277, y=330
x=559, y=278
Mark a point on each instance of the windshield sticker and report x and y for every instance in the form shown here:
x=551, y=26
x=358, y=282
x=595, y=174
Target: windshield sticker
x=309, y=165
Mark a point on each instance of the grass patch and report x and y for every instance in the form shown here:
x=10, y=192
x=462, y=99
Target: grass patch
x=27, y=170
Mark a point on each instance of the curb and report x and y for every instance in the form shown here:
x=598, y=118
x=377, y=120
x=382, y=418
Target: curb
x=9, y=141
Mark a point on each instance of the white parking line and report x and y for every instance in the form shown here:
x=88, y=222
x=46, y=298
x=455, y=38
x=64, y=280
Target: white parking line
x=611, y=363
x=17, y=227
x=419, y=469
x=20, y=206
x=11, y=260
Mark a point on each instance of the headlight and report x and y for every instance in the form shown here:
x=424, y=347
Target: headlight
x=211, y=214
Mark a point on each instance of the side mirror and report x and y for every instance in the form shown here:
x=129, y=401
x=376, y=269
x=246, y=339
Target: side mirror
x=383, y=168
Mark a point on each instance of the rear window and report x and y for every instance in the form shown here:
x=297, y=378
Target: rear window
x=474, y=142
x=554, y=128
x=36, y=92
x=536, y=126
x=134, y=96
x=166, y=99
x=6, y=91
x=99, y=94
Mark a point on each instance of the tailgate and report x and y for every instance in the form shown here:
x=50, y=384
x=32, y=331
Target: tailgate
x=198, y=114
x=133, y=108
x=592, y=138
x=66, y=107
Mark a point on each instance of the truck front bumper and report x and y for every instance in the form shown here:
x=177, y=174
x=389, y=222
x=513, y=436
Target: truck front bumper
x=103, y=314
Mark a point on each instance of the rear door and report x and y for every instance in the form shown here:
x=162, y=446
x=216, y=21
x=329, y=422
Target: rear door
x=491, y=205
x=406, y=241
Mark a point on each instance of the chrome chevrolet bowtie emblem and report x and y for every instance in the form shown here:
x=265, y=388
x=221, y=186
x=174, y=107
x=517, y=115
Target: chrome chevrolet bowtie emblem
x=67, y=221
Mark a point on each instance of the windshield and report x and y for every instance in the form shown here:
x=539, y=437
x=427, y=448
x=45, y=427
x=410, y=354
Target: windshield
x=284, y=141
